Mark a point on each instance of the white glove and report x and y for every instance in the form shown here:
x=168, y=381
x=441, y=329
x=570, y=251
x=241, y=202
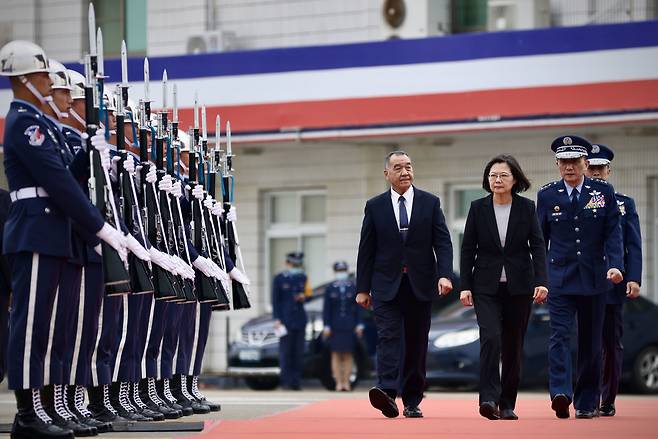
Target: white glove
x=203, y=265
x=208, y=202
x=183, y=269
x=161, y=259
x=239, y=276
x=232, y=214
x=177, y=190
x=218, y=273
x=114, y=238
x=197, y=192
x=137, y=248
x=151, y=175
x=129, y=164
x=218, y=210
x=99, y=143
x=165, y=183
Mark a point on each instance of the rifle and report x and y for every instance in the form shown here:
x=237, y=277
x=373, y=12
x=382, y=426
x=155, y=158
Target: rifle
x=240, y=291
x=115, y=271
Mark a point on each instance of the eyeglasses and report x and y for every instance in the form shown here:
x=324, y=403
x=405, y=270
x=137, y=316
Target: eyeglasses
x=502, y=176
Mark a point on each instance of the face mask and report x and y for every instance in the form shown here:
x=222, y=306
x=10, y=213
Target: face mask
x=296, y=270
x=342, y=275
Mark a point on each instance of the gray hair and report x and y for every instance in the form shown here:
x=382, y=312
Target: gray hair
x=387, y=160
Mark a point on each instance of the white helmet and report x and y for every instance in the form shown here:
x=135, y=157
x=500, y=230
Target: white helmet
x=59, y=75
x=77, y=84
x=21, y=57
x=108, y=101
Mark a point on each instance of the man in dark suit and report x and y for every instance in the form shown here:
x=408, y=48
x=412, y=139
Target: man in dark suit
x=404, y=262
x=580, y=221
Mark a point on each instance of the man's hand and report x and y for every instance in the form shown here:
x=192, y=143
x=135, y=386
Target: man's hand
x=466, y=298
x=359, y=331
x=300, y=297
x=632, y=289
x=326, y=332
x=277, y=324
x=364, y=300
x=445, y=286
x=540, y=294
x=615, y=275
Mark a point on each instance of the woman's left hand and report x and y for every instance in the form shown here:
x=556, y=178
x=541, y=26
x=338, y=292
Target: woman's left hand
x=540, y=294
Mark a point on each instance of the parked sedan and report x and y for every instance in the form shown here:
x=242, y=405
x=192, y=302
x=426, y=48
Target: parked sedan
x=453, y=352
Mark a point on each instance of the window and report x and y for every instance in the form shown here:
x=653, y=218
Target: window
x=122, y=20
x=461, y=197
x=296, y=221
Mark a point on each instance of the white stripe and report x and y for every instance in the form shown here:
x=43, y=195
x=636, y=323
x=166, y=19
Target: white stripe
x=197, y=319
x=122, y=343
x=94, y=369
x=78, y=330
x=175, y=359
x=148, y=336
x=51, y=331
x=159, y=361
x=31, y=303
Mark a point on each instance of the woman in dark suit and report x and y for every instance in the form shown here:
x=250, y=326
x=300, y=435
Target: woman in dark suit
x=503, y=268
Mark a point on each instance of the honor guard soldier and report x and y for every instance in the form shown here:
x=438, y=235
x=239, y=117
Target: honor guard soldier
x=342, y=324
x=37, y=235
x=613, y=323
x=581, y=225
x=289, y=292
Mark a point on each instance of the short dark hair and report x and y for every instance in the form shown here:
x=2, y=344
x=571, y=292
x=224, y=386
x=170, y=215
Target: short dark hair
x=522, y=183
x=387, y=160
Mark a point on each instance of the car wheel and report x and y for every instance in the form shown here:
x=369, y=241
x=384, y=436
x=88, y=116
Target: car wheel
x=645, y=370
x=262, y=383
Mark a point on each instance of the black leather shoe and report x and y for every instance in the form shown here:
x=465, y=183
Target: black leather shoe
x=412, y=412
x=489, y=410
x=508, y=415
x=381, y=401
x=36, y=429
x=560, y=405
x=607, y=410
x=584, y=414
x=192, y=384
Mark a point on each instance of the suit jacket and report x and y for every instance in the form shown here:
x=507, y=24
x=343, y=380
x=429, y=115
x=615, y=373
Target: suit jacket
x=483, y=257
x=427, y=251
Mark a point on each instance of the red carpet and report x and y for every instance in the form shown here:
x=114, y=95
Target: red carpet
x=444, y=418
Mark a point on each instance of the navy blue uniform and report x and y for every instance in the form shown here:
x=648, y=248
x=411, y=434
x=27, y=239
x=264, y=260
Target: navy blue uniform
x=37, y=236
x=613, y=325
x=292, y=315
x=341, y=314
x=583, y=243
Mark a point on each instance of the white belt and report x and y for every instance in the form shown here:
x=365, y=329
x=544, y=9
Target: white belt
x=28, y=192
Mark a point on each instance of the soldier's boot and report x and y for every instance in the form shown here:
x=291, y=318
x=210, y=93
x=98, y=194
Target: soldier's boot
x=193, y=389
x=140, y=406
x=32, y=421
x=100, y=407
x=178, y=387
x=75, y=402
x=164, y=392
x=54, y=402
x=121, y=403
x=149, y=396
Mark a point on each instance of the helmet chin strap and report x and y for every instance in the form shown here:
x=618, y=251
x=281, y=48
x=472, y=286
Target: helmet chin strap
x=42, y=99
x=60, y=114
x=77, y=117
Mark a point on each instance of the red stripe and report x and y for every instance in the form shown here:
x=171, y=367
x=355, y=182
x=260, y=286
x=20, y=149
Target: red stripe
x=503, y=103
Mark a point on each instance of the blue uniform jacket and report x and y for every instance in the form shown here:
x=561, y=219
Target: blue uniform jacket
x=582, y=245
x=285, y=286
x=632, y=241
x=340, y=311
x=33, y=158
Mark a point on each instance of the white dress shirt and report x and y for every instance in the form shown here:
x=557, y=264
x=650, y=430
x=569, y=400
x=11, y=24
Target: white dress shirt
x=408, y=201
x=579, y=186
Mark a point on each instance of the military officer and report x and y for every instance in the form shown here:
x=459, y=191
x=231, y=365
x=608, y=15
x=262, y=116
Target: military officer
x=581, y=226
x=289, y=292
x=342, y=323
x=613, y=324
x=37, y=235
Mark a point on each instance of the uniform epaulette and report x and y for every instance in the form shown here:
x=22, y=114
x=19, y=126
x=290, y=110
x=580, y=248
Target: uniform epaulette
x=619, y=194
x=547, y=185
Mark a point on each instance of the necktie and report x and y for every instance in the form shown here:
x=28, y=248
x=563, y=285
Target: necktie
x=574, y=199
x=404, y=219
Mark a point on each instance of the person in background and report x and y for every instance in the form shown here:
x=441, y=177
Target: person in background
x=503, y=266
x=289, y=292
x=342, y=322
x=5, y=286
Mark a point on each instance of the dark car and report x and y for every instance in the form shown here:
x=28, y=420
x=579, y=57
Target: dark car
x=453, y=351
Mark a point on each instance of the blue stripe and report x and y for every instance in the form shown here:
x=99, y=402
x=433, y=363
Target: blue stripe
x=393, y=52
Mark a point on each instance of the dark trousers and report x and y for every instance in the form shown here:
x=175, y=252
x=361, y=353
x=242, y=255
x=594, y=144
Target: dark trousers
x=291, y=357
x=187, y=338
x=563, y=309
x=155, y=337
x=170, y=340
x=203, y=331
x=108, y=341
x=613, y=352
x=503, y=320
x=403, y=326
